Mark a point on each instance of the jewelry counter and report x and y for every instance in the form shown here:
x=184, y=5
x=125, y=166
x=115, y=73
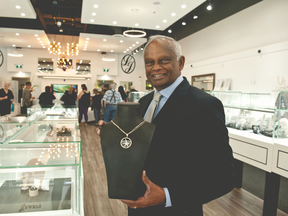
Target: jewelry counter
x=41, y=180
x=9, y=131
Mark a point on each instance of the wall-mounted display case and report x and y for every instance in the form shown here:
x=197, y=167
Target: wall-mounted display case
x=135, y=96
x=39, y=180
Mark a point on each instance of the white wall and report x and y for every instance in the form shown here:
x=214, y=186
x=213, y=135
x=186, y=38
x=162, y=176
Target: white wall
x=230, y=47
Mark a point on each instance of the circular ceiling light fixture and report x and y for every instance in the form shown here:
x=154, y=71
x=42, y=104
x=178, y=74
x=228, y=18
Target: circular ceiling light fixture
x=183, y=6
x=134, y=33
x=18, y=7
x=183, y=23
x=93, y=14
x=169, y=31
x=22, y=14
x=59, y=23
x=209, y=7
x=95, y=6
x=195, y=16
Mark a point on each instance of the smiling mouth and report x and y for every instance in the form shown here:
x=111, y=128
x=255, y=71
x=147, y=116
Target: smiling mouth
x=158, y=75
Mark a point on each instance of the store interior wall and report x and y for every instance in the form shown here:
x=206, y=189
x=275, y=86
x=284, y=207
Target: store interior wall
x=230, y=48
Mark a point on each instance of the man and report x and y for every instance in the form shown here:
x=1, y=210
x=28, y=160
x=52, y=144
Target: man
x=111, y=98
x=27, y=97
x=20, y=93
x=190, y=161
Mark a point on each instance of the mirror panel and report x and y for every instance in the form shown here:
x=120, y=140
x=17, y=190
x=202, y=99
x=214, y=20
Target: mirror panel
x=205, y=82
x=83, y=66
x=45, y=65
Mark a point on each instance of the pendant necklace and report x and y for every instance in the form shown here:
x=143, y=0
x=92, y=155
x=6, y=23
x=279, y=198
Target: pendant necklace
x=126, y=142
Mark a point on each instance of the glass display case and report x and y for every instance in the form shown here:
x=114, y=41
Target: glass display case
x=281, y=125
x=55, y=112
x=135, y=96
x=9, y=131
x=256, y=100
x=19, y=119
x=228, y=98
x=38, y=180
x=48, y=132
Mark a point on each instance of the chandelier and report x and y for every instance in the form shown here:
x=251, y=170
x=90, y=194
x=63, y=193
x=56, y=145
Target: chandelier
x=55, y=48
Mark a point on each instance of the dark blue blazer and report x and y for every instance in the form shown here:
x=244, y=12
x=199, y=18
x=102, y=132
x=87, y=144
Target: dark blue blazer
x=190, y=152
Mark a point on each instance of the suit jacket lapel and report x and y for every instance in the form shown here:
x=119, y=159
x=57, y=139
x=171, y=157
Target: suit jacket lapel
x=146, y=102
x=174, y=100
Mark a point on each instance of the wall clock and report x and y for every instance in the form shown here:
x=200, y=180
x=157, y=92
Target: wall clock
x=1, y=58
x=128, y=64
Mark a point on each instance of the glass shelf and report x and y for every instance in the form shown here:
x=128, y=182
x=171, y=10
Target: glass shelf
x=9, y=131
x=48, y=133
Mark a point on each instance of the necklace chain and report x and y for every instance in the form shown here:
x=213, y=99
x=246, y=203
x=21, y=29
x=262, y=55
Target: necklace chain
x=127, y=134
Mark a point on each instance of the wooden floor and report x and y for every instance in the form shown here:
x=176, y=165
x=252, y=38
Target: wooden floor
x=96, y=202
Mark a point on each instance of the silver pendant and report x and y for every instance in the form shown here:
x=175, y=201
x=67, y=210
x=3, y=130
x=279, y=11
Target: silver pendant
x=126, y=142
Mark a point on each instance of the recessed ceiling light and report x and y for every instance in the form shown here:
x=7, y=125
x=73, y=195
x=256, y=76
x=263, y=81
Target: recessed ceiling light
x=183, y=23
x=38, y=38
x=157, y=26
x=209, y=7
x=124, y=51
x=130, y=47
x=84, y=49
x=29, y=45
x=173, y=14
x=98, y=50
x=60, y=30
x=86, y=41
x=141, y=48
x=164, y=21
x=121, y=41
x=91, y=20
x=111, y=50
x=42, y=44
x=133, y=44
x=94, y=14
x=114, y=22
x=87, y=38
x=44, y=47
x=195, y=17
x=22, y=14
x=104, y=39
x=169, y=31
x=137, y=42
x=127, y=49
x=40, y=41
x=18, y=7
x=13, y=45
x=183, y=6
x=95, y=6
x=136, y=24
x=17, y=34
x=36, y=35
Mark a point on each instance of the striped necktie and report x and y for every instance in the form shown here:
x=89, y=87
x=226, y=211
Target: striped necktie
x=153, y=108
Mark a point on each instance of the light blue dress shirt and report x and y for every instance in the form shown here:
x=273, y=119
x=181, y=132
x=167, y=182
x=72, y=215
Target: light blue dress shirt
x=166, y=93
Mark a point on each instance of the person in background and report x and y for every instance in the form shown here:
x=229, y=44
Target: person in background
x=122, y=93
x=111, y=98
x=20, y=93
x=46, y=98
x=132, y=89
x=6, y=99
x=69, y=96
x=27, y=97
x=96, y=105
x=84, y=103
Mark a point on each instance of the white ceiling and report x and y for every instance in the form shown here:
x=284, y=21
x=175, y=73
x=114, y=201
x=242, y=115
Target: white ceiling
x=24, y=7
x=146, y=13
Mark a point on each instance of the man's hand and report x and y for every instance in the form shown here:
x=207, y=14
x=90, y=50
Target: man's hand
x=154, y=195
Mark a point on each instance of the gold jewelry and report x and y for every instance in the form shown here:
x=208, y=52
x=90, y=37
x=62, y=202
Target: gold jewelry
x=126, y=142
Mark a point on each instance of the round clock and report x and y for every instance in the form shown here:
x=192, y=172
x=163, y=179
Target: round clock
x=1, y=58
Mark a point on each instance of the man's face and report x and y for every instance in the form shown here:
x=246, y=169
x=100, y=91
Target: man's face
x=161, y=65
x=28, y=86
x=22, y=87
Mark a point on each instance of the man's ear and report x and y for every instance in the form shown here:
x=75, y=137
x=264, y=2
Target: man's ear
x=181, y=62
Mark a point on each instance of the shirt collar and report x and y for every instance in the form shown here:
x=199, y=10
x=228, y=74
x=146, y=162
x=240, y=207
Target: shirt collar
x=170, y=89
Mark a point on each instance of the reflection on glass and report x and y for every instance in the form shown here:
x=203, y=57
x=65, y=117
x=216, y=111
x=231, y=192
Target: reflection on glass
x=45, y=65
x=83, y=66
x=204, y=82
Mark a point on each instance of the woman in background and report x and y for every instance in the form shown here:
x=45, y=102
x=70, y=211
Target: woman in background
x=84, y=103
x=47, y=97
x=96, y=105
x=69, y=97
x=6, y=99
x=122, y=92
